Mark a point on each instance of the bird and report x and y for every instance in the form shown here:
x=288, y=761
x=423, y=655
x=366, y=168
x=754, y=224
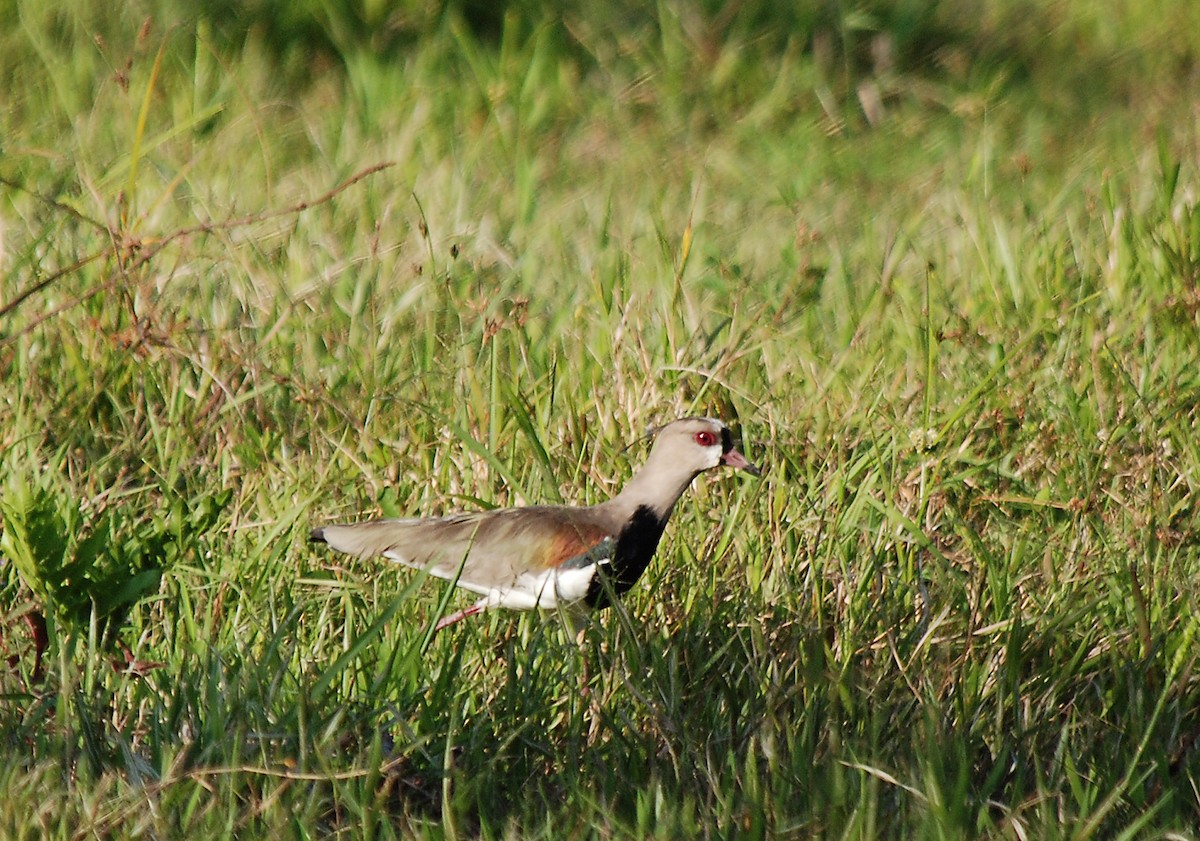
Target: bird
x=552, y=556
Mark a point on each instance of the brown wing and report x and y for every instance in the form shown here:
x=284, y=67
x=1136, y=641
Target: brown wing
x=491, y=548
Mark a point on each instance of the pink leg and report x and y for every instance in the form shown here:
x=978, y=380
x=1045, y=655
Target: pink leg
x=454, y=617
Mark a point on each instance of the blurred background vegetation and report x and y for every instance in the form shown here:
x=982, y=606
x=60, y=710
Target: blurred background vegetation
x=265, y=264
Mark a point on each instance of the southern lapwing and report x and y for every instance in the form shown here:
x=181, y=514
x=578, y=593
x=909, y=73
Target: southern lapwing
x=550, y=556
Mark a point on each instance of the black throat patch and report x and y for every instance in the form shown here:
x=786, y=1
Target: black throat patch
x=635, y=547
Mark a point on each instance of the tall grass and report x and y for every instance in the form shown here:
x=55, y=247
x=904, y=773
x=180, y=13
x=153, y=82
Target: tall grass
x=263, y=272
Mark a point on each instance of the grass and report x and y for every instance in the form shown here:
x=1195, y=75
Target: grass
x=941, y=273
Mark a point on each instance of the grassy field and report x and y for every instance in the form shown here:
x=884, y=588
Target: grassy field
x=280, y=264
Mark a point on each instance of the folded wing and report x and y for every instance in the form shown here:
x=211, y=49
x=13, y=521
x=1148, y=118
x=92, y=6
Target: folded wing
x=485, y=551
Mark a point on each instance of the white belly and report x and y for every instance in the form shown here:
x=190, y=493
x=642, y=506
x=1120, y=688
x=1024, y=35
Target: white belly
x=545, y=591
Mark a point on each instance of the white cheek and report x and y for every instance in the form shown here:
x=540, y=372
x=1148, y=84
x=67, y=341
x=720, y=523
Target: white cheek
x=714, y=457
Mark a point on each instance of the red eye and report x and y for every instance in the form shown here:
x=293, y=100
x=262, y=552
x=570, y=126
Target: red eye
x=705, y=439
